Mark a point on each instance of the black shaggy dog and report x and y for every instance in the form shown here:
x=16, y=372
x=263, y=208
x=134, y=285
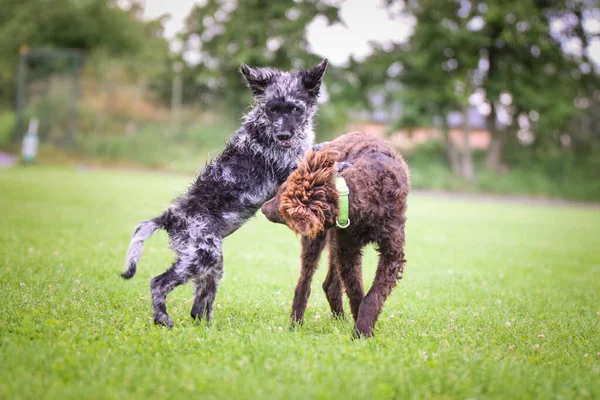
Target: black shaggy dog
x=308, y=202
x=257, y=159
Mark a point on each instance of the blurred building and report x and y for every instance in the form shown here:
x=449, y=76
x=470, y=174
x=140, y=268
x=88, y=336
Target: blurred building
x=378, y=123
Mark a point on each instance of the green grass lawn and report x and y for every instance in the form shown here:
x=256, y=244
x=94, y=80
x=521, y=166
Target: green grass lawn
x=498, y=300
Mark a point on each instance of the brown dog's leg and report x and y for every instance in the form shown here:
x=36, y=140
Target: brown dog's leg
x=349, y=260
x=389, y=271
x=333, y=286
x=311, y=252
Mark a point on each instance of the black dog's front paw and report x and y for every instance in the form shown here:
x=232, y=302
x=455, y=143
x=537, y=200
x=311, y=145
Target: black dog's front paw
x=163, y=320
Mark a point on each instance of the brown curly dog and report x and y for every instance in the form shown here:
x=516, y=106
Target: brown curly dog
x=308, y=203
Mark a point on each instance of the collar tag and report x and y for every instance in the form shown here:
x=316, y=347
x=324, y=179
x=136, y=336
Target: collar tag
x=343, y=221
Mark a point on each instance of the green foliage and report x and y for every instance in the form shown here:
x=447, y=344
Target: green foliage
x=152, y=146
x=553, y=173
x=527, y=60
x=429, y=170
x=432, y=73
x=54, y=109
x=498, y=300
x=584, y=129
x=7, y=124
x=254, y=32
x=89, y=26
x=330, y=121
x=495, y=47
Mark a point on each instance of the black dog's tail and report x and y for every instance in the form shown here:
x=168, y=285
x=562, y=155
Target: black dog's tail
x=142, y=232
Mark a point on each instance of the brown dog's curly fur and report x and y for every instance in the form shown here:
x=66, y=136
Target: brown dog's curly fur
x=310, y=198
x=379, y=181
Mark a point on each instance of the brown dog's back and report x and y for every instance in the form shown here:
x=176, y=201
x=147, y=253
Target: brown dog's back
x=377, y=176
x=354, y=144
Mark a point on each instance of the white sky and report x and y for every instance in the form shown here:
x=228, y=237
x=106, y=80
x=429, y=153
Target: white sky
x=365, y=21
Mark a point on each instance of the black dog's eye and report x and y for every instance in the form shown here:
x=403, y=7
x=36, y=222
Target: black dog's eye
x=296, y=109
x=272, y=109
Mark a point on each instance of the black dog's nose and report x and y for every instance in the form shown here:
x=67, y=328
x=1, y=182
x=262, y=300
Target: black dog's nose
x=287, y=135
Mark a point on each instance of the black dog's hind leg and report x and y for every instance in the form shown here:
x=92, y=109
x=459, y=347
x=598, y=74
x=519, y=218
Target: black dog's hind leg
x=161, y=285
x=205, y=287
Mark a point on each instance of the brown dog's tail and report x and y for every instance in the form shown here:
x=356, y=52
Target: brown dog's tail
x=142, y=232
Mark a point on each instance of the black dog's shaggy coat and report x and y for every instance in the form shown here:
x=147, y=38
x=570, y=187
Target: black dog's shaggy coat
x=256, y=160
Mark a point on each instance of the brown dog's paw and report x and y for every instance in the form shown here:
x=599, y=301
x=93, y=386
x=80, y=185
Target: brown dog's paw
x=362, y=334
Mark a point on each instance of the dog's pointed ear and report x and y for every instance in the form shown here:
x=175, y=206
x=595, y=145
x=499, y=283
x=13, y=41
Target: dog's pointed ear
x=257, y=79
x=311, y=78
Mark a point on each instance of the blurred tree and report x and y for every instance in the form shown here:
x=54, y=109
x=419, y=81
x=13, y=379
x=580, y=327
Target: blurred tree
x=88, y=25
x=584, y=128
x=505, y=50
x=529, y=74
x=221, y=34
x=433, y=72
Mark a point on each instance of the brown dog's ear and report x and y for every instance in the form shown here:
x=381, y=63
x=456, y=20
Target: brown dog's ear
x=304, y=222
x=302, y=227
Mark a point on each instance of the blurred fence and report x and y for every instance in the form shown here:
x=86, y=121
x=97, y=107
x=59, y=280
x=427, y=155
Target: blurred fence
x=48, y=89
x=103, y=109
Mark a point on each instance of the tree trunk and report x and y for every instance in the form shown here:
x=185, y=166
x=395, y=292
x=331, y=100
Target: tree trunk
x=493, y=157
x=452, y=155
x=467, y=155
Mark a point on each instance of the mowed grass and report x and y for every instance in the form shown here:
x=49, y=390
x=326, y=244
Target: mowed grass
x=499, y=300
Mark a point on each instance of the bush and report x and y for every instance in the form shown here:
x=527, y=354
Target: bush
x=7, y=125
x=330, y=122
x=152, y=145
x=555, y=173
x=428, y=167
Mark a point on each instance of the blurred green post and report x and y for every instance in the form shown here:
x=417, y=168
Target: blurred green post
x=176, y=98
x=71, y=129
x=21, y=77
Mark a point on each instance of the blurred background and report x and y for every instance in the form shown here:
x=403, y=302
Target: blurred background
x=479, y=96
